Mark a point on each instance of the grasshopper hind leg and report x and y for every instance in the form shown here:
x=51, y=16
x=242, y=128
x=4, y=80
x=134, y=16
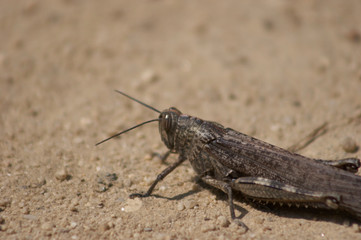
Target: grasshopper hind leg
x=274, y=191
x=347, y=164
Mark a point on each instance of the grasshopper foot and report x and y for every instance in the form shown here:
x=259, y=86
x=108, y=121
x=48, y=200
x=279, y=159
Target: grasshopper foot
x=138, y=195
x=241, y=224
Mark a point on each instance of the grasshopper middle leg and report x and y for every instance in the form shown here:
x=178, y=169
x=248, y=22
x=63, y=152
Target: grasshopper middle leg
x=225, y=187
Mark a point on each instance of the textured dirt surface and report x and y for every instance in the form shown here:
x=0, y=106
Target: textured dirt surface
x=273, y=69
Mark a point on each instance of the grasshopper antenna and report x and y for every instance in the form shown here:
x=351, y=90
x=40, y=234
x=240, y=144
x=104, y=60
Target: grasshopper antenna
x=140, y=102
x=116, y=135
x=141, y=124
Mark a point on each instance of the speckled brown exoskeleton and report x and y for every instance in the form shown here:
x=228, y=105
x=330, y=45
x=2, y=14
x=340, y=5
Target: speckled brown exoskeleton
x=232, y=161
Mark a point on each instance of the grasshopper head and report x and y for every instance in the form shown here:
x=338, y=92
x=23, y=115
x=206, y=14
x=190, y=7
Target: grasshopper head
x=168, y=125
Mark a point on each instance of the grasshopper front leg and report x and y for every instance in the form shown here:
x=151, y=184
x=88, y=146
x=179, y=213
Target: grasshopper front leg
x=275, y=191
x=160, y=177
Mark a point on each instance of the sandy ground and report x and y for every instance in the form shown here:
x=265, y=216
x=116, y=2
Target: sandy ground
x=273, y=69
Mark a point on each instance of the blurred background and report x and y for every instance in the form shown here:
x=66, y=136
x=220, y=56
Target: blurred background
x=273, y=69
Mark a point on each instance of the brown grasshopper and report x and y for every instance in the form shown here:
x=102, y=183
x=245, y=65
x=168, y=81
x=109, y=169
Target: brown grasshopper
x=232, y=161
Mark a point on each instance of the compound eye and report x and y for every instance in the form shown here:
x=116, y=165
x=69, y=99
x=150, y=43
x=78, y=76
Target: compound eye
x=167, y=122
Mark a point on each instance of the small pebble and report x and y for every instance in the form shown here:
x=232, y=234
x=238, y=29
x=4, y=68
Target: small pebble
x=127, y=183
x=241, y=230
x=47, y=226
x=288, y=120
x=74, y=202
x=25, y=210
x=85, y=122
x=74, y=209
x=237, y=225
x=101, y=189
x=61, y=174
x=349, y=145
x=356, y=228
x=5, y=203
x=346, y=223
x=323, y=64
x=136, y=235
x=73, y=225
x=162, y=188
x=104, y=227
x=222, y=237
x=354, y=36
x=149, y=76
x=259, y=220
x=147, y=229
x=111, y=177
x=208, y=227
x=148, y=180
x=148, y=157
x=133, y=205
x=78, y=140
x=21, y=204
x=162, y=236
x=195, y=187
x=180, y=206
x=39, y=183
x=111, y=224
x=30, y=217
x=223, y=221
x=190, y=204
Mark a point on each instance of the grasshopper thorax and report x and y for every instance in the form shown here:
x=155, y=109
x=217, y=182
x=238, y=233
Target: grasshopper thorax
x=168, y=121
